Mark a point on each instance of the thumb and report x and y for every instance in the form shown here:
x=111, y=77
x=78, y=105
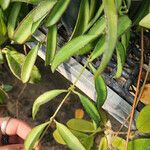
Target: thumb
x=12, y=147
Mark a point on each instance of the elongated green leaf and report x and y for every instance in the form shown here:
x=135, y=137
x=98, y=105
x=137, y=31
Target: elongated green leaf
x=44, y=98
x=27, y=1
x=103, y=144
x=145, y=22
x=90, y=109
x=81, y=125
x=20, y=59
x=51, y=44
x=120, y=59
x=101, y=89
x=3, y=29
x=1, y=57
x=3, y=96
x=99, y=12
x=4, y=4
x=31, y=22
x=139, y=144
x=88, y=142
x=99, y=48
x=82, y=20
x=118, y=143
x=42, y=9
x=28, y=64
x=13, y=65
x=34, y=135
x=58, y=137
x=111, y=33
x=124, y=23
x=13, y=18
x=70, y=49
x=125, y=38
x=69, y=138
x=57, y=12
x=142, y=121
x=86, y=48
x=93, y=6
x=142, y=11
x=98, y=27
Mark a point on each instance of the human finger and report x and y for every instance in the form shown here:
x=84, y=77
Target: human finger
x=12, y=147
x=17, y=127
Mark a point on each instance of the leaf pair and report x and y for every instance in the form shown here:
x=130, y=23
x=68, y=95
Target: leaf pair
x=52, y=19
x=32, y=21
x=23, y=66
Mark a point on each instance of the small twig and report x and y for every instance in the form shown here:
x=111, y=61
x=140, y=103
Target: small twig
x=142, y=89
x=25, y=49
x=137, y=91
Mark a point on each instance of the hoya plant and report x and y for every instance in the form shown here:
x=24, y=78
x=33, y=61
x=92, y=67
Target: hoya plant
x=102, y=29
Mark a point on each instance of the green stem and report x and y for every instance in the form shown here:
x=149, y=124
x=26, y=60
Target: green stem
x=70, y=89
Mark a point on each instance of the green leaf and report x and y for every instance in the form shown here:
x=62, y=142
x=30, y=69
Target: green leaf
x=20, y=58
x=120, y=59
x=101, y=89
x=82, y=20
x=28, y=64
x=111, y=33
x=7, y=87
x=31, y=22
x=44, y=98
x=69, y=138
x=88, y=142
x=4, y=4
x=142, y=11
x=12, y=19
x=125, y=38
x=3, y=96
x=97, y=15
x=57, y=12
x=139, y=144
x=124, y=23
x=90, y=108
x=143, y=120
x=34, y=135
x=99, y=48
x=71, y=48
x=93, y=6
x=79, y=135
x=98, y=27
x=3, y=28
x=13, y=65
x=58, y=137
x=27, y=1
x=51, y=44
x=118, y=143
x=1, y=57
x=145, y=22
x=103, y=144
x=81, y=125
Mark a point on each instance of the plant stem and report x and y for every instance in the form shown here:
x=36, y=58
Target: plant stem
x=70, y=89
x=137, y=90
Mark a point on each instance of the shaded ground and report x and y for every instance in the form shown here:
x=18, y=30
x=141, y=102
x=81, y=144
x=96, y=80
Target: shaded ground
x=23, y=108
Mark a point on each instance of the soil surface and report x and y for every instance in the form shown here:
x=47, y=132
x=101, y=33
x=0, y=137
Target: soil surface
x=21, y=107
